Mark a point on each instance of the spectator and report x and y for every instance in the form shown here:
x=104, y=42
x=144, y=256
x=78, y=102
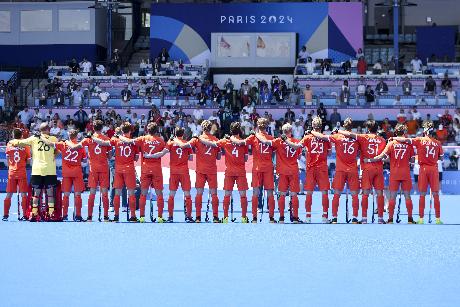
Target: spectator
x=215, y=117
x=446, y=83
x=370, y=96
x=416, y=114
x=335, y=117
x=362, y=66
x=216, y=95
x=265, y=95
x=451, y=96
x=244, y=93
x=86, y=66
x=104, y=96
x=377, y=68
x=77, y=96
x=198, y=113
x=294, y=96
x=407, y=87
x=427, y=120
x=289, y=116
x=125, y=94
x=163, y=56
x=25, y=116
x=100, y=70
x=228, y=86
x=381, y=88
x=446, y=119
x=457, y=114
x=401, y=117
x=345, y=93
x=303, y=55
x=359, y=53
x=254, y=116
x=74, y=67
x=310, y=66
x=412, y=125
x=297, y=130
x=430, y=86
x=322, y=113
x=361, y=89
x=81, y=118
x=416, y=64
x=441, y=134
x=55, y=130
x=246, y=126
x=456, y=127
x=397, y=101
x=308, y=95
x=172, y=89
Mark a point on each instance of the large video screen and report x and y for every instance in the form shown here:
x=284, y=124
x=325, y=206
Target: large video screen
x=253, y=49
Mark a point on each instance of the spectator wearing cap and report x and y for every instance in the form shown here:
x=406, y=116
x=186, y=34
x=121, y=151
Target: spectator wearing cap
x=430, y=86
x=406, y=87
x=308, y=95
x=335, y=117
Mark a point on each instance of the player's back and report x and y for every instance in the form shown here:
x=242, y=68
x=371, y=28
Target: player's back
x=124, y=156
x=206, y=156
x=262, y=153
x=44, y=162
x=317, y=151
x=400, y=155
x=235, y=157
x=286, y=157
x=97, y=154
x=347, y=150
x=148, y=145
x=428, y=150
x=371, y=145
x=17, y=160
x=178, y=157
x=71, y=158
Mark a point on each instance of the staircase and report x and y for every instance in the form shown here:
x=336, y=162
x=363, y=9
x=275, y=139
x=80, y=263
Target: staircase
x=142, y=47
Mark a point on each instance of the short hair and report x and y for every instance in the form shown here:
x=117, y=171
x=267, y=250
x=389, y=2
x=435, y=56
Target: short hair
x=179, y=132
x=262, y=123
x=348, y=123
x=317, y=122
x=286, y=128
x=44, y=127
x=126, y=127
x=235, y=128
x=152, y=128
x=73, y=133
x=98, y=124
x=400, y=129
x=371, y=125
x=17, y=133
x=206, y=125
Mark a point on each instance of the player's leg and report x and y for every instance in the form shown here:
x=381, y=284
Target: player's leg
x=212, y=183
x=337, y=184
x=269, y=186
x=309, y=188
x=118, y=183
x=256, y=189
x=186, y=187
x=79, y=187
x=173, y=186
x=378, y=184
x=406, y=186
x=229, y=182
x=294, y=188
x=199, y=186
x=322, y=180
x=130, y=183
x=282, y=188
x=353, y=186
x=146, y=181
x=422, y=189
x=393, y=188
x=92, y=184
x=7, y=205
x=434, y=182
x=242, y=184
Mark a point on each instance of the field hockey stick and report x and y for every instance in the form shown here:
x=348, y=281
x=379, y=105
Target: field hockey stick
x=398, y=220
x=231, y=209
x=19, y=210
x=152, y=219
x=74, y=207
x=263, y=203
x=291, y=217
x=207, y=207
x=185, y=208
x=431, y=206
x=100, y=204
x=127, y=206
x=346, y=208
x=373, y=206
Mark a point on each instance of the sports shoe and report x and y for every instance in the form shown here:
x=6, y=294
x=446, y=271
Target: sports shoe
x=65, y=218
x=281, y=220
x=272, y=220
x=439, y=222
x=23, y=219
x=106, y=219
x=124, y=209
x=189, y=220
x=244, y=220
x=364, y=221
x=142, y=219
x=78, y=219
x=170, y=220
x=5, y=218
x=308, y=220
x=410, y=220
x=354, y=220
x=390, y=221
x=381, y=220
x=259, y=210
x=420, y=221
x=160, y=220
x=34, y=218
x=296, y=220
x=215, y=219
x=334, y=220
x=133, y=219
x=225, y=220
x=254, y=220
x=324, y=220
x=198, y=219
x=116, y=219
x=89, y=219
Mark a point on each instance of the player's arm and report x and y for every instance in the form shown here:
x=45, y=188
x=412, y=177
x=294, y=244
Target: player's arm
x=101, y=142
x=291, y=144
x=348, y=134
x=382, y=156
x=207, y=143
x=156, y=155
x=402, y=139
x=320, y=136
x=22, y=142
x=126, y=140
x=189, y=144
x=263, y=140
x=236, y=141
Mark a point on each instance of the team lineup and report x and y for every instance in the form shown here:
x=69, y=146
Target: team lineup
x=370, y=149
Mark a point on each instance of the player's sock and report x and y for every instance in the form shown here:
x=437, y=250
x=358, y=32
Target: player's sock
x=391, y=208
x=215, y=205
x=198, y=204
x=105, y=203
x=160, y=205
x=421, y=206
x=380, y=205
x=355, y=204
x=142, y=201
x=437, y=206
x=188, y=205
x=78, y=204
x=170, y=206
x=132, y=205
x=24, y=205
x=335, y=205
x=325, y=202
x=271, y=205
x=6, y=206
x=409, y=207
x=308, y=201
x=91, y=199
x=281, y=203
x=244, y=206
x=255, y=204
x=364, y=205
x=116, y=204
x=295, y=206
x=226, y=205
x=65, y=205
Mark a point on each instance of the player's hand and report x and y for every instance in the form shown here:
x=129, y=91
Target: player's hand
x=283, y=137
x=307, y=132
x=252, y=133
x=227, y=137
x=195, y=137
x=172, y=137
x=335, y=131
x=89, y=135
x=37, y=134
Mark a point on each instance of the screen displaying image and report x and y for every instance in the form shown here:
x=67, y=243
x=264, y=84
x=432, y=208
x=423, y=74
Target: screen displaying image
x=273, y=46
x=232, y=46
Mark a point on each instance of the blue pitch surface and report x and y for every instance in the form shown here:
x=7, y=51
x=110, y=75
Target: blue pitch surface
x=107, y=264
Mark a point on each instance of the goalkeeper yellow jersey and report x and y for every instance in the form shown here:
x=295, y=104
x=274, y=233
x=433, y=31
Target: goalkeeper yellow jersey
x=43, y=160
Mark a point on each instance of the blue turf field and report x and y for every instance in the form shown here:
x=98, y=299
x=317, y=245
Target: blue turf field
x=106, y=264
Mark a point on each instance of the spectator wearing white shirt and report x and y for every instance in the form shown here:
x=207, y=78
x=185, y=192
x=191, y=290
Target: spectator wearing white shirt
x=195, y=128
x=104, y=96
x=142, y=122
x=297, y=130
x=416, y=64
x=377, y=68
x=198, y=113
x=249, y=108
x=25, y=116
x=451, y=96
x=303, y=55
x=310, y=66
x=55, y=130
x=77, y=96
x=38, y=114
x=416, y=114
x=246, y=126
x=86, y=66
x=214, y=117
x=100, y=69
x=301, y=163
x=397, y=101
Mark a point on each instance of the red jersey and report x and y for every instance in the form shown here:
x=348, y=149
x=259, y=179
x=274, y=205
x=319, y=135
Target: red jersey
x=234, y=158
x=125, y=154
x=371, y=145
x=205, y=156
x=346, y=150
x=262, y=153
x=428, y=150
x=71, y=159
x=17, y=160
x=286, y=157
x=400, y=155
x=317, y=151
x=148, y=145
x=178, y=157
x=97, y=154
